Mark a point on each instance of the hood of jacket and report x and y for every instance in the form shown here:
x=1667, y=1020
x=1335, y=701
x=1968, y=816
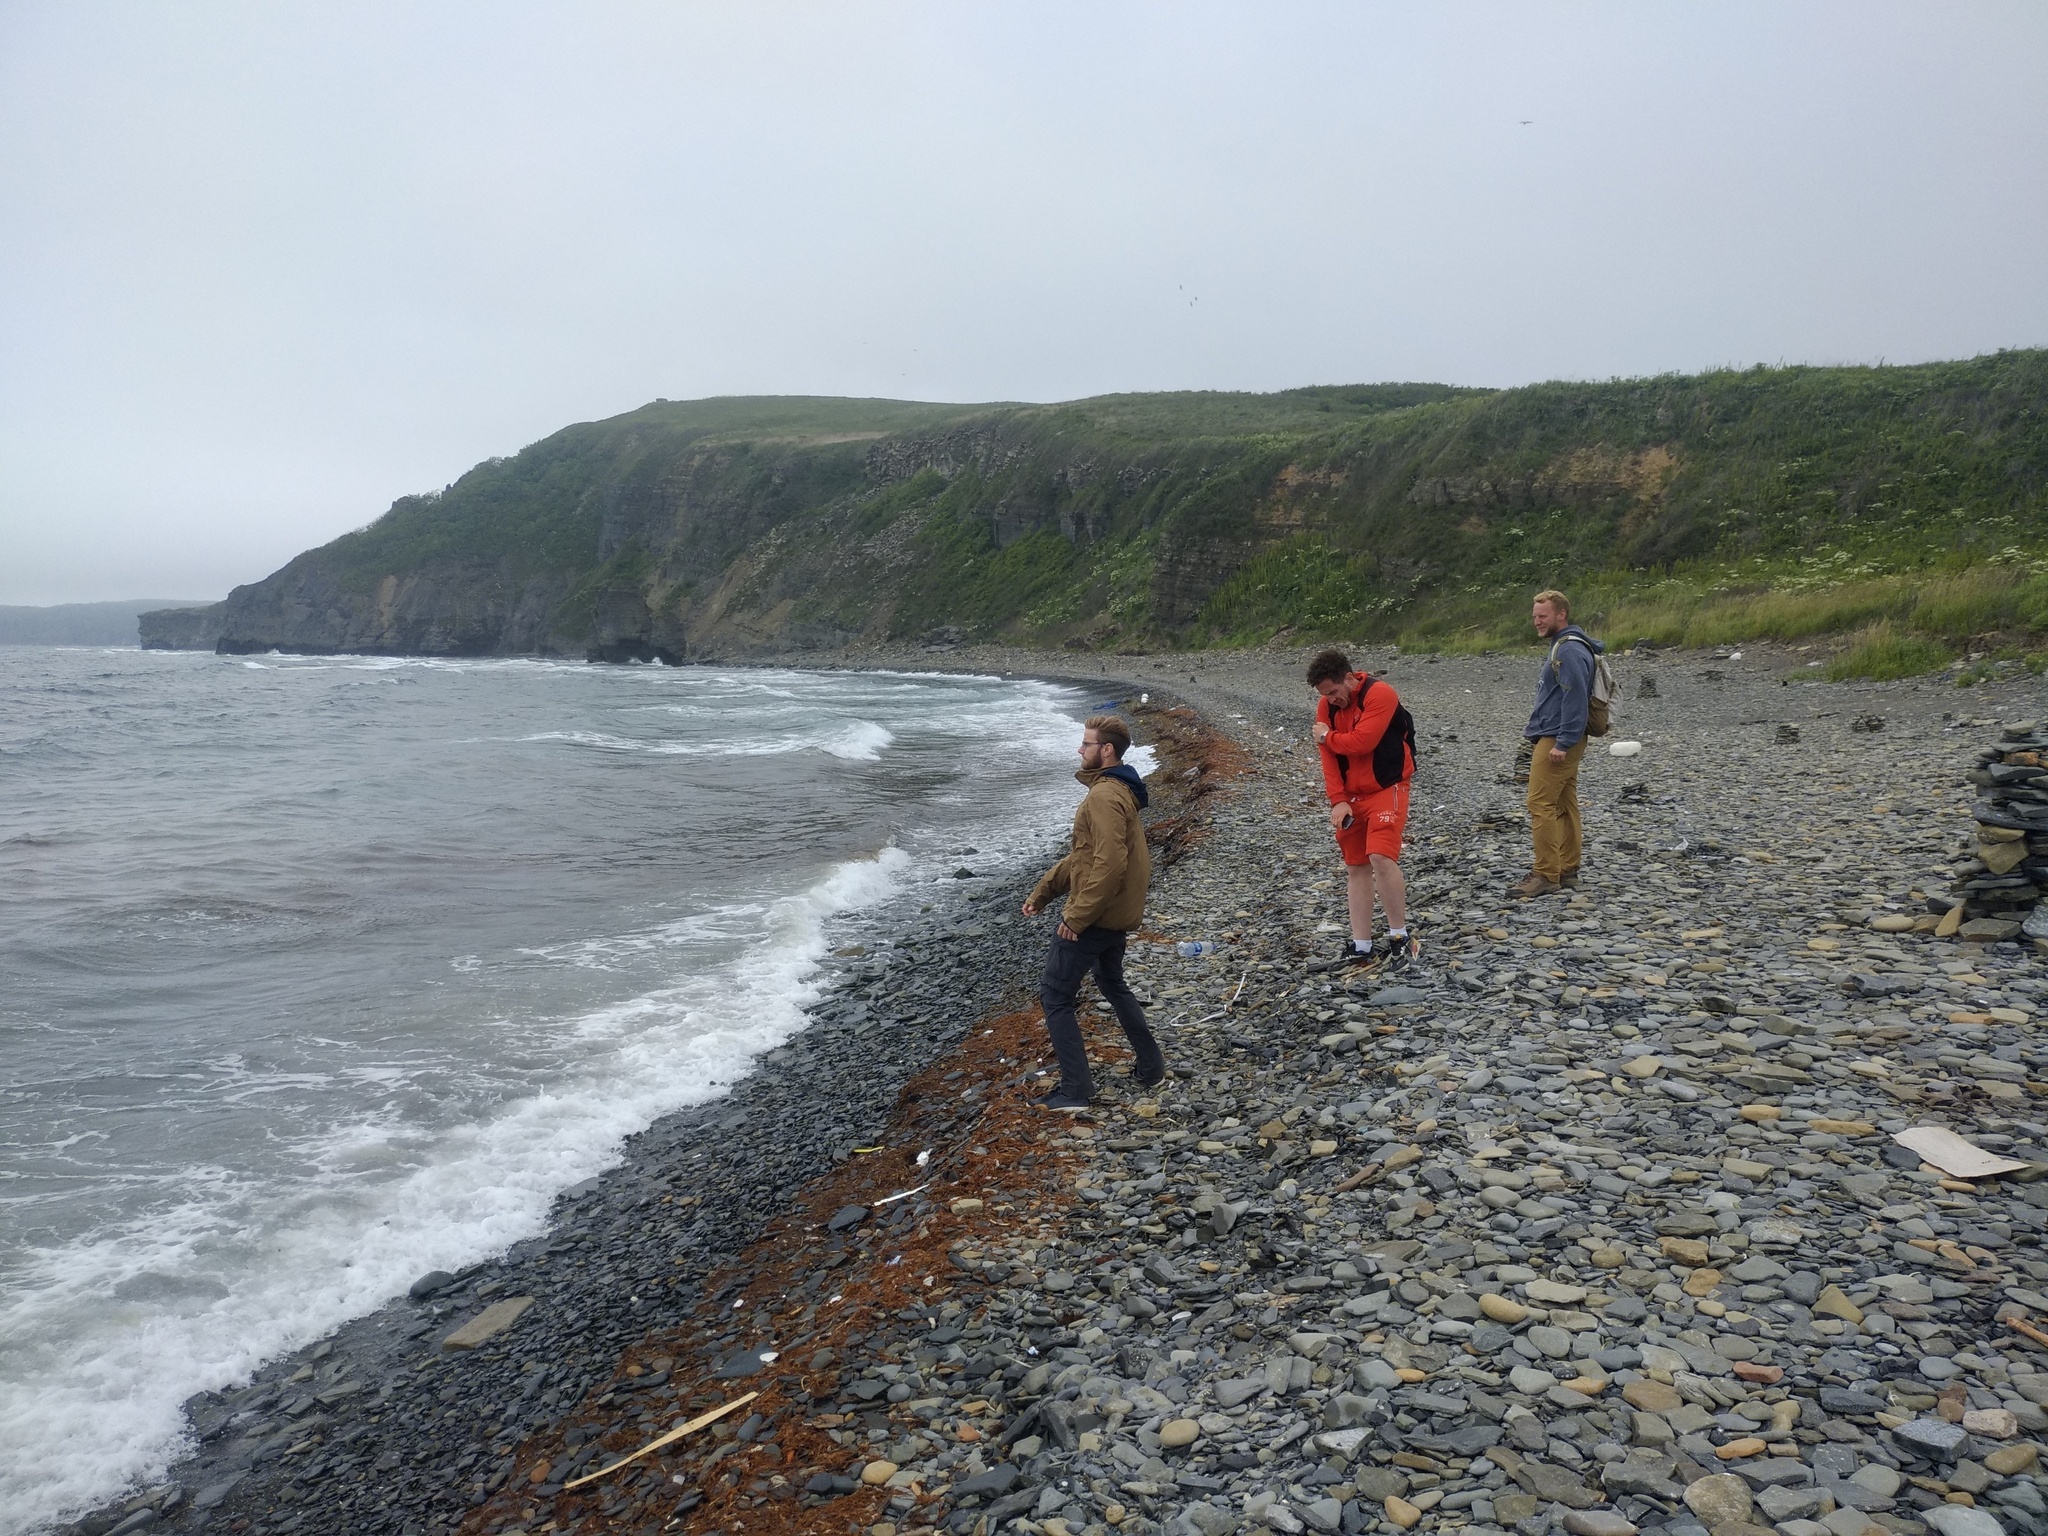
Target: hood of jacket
x=1123, y=773
x=1577, y=633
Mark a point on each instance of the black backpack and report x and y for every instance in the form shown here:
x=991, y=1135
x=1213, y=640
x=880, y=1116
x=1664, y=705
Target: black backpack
x=1394, y=750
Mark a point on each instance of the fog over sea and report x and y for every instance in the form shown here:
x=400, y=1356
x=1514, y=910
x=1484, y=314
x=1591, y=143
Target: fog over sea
x=320, y=973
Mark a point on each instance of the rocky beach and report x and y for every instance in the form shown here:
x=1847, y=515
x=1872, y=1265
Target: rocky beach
x=1599, y=1223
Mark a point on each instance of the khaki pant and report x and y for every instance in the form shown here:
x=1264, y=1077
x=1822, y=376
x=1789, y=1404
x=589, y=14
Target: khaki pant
x=1554, y=808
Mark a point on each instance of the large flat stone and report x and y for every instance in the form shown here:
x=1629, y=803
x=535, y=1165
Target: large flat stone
x=1236, y=1393
x=489, y=1323
x=1642, y=1470
x=1961, y=1520
x=1557, y=1485
x=1792, y=1503
x=1719, y=1499
x=1932, y=1437
x=1599, y=1522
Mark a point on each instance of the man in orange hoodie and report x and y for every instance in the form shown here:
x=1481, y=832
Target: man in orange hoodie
x=1366, y=740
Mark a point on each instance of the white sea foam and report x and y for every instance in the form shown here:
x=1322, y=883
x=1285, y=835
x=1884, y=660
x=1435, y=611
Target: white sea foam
x=861, y=741
x=108, y=1331
x=233, y=1274
x=853, y=741
x=728, y=923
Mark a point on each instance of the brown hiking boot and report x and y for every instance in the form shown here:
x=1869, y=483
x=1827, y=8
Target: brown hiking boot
x=1534, y=885
x=1569, y=879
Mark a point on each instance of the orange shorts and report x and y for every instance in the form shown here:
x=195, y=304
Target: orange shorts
x=1377, y=823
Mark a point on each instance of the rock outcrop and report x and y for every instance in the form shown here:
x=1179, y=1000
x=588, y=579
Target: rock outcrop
x=456, y=609
x=181, y=629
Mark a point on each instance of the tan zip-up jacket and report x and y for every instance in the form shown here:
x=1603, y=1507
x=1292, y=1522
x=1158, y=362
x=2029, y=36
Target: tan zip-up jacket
x=1104, y=878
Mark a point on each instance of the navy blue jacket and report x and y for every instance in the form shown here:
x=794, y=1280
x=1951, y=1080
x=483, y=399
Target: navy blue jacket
x=1564, y=688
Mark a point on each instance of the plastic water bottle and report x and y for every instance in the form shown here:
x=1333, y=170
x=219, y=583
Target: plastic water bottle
x=1192, y=949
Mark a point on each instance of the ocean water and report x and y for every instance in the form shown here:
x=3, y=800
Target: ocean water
x=319, y=973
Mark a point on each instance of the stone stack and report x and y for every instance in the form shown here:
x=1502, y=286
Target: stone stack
x=2006, y=880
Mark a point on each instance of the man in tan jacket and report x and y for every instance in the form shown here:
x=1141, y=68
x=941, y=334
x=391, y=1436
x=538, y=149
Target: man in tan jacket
x=1104, y=881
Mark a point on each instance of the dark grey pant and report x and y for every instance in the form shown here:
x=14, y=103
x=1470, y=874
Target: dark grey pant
x=1100, y=950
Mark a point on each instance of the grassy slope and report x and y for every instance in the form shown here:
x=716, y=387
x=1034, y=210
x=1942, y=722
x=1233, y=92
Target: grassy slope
x=1706, y=509
x=1696, y=509
x=541, y=508
x=1041, y=516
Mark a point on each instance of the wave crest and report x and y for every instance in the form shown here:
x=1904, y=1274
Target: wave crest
x=856, y=741
x=208, y=1290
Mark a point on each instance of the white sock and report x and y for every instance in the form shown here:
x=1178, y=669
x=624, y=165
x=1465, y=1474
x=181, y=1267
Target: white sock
x=1397, y=934
x=1361, y=946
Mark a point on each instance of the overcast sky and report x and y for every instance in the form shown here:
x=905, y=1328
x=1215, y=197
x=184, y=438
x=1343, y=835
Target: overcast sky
x=264, y=268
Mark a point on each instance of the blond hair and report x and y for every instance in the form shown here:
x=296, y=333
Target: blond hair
x=1109, y=729
x=1556, y=599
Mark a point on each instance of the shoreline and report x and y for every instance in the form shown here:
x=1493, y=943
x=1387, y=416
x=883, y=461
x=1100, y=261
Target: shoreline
x=377, y=1381
x=1251, y=1301
x=733, y=1163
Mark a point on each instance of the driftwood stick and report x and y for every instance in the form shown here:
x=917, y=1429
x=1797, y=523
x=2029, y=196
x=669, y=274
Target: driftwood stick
x=654, y=1445
x=1364, y=1176
x=2018, y=1325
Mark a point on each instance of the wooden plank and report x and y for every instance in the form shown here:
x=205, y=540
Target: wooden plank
x=673, y=1435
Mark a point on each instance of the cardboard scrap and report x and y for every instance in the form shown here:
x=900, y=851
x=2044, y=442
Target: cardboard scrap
x=1953, y=1155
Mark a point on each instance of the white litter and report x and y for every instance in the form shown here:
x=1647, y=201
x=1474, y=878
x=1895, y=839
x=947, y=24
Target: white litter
x=1624, y=748
x=1953, y=1155
x=902, y=1194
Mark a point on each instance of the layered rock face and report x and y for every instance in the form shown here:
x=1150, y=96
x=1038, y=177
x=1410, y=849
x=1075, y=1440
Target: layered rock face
x=453, y=610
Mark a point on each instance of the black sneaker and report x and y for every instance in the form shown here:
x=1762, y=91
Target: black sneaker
x=1061, y=1102
x=1346, y=956
x=1149, y=1076
x=1404, y=957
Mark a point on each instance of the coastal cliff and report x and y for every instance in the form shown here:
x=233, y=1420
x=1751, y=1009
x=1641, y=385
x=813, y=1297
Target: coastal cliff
x=737, y=526
x=194, y=628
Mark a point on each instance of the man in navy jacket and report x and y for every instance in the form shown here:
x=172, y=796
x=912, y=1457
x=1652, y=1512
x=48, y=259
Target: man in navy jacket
x=1557, y=731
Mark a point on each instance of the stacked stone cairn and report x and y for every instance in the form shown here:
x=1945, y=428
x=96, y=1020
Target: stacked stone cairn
x=2003, y=885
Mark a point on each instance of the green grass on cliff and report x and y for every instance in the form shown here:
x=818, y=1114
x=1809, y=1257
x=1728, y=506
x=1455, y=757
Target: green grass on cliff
x=1997, y=601
x=1767, y=504
x=1910, y=502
